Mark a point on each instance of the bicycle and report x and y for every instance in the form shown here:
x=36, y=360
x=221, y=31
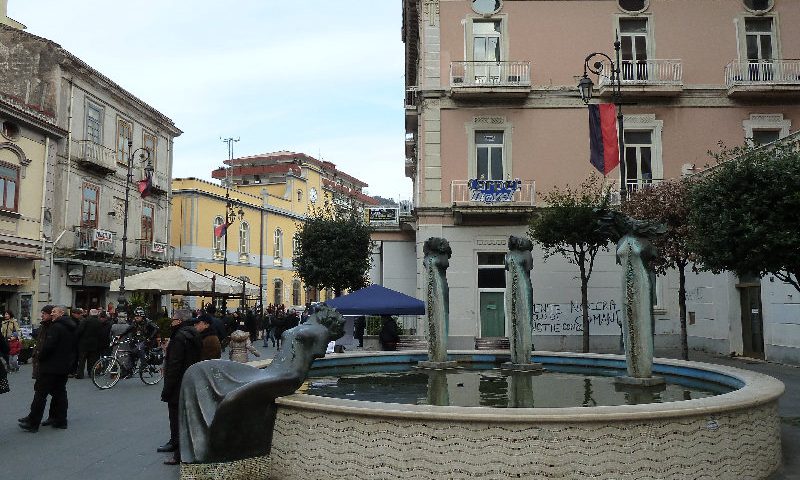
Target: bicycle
x=110, y=369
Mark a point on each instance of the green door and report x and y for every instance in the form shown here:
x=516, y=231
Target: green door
x=493, y=318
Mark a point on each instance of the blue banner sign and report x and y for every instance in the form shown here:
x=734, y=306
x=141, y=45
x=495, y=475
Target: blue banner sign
x=493, y=191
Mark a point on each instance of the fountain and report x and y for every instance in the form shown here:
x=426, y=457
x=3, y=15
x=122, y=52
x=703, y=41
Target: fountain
x=519, y=303
x=426, y=433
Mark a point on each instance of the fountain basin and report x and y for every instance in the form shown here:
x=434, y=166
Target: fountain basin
x=733, y=435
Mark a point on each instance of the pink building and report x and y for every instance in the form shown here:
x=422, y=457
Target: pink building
x=491, y=95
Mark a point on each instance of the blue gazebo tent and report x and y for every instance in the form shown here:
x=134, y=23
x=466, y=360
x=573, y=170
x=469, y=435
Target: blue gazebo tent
x=377, y=300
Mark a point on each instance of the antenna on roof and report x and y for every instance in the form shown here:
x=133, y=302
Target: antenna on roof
x=228, y=173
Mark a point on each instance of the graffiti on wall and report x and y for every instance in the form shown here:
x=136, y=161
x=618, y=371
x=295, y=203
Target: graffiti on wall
x=567, y=318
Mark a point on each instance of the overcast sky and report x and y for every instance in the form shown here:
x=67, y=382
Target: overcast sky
x=320, y=77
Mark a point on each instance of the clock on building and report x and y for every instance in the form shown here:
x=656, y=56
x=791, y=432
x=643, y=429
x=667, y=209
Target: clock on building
x=312, y=195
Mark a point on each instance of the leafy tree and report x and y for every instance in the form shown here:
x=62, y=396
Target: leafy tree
x=745, y=212
x=569, y=226
x=667, y=204
x=333, y=248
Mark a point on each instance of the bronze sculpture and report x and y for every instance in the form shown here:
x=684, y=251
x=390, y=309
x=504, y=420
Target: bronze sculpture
x=227, y=409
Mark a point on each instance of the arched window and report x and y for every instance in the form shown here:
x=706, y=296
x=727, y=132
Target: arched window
x=277, y=248
x=299, y=195
x=278, y=289
x=295, y=246
x=244, y=241
x=296, y=293
x=217, y=242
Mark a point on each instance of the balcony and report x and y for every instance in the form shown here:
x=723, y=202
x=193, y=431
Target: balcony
x=471, y=80
x=411, y=145
x=94, y=240
x=646, y=78
x=151, y=251
x=632, y=186
x=753, y=79
x=94, y=156
x=160, y=183
x=410, y=106
x=487, y=200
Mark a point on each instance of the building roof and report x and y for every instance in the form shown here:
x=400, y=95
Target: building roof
x=283, y=157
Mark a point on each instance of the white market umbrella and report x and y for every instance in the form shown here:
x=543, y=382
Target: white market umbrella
x=170, y=279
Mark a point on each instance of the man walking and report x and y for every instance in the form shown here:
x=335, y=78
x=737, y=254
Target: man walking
x=88, y=334
x=183, y=351
x=54, y=361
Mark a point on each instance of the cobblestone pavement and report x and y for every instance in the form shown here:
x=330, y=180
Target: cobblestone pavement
x=114, y=433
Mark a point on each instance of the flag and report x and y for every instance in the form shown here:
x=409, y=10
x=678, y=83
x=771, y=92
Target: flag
x=145, y=186
x=221, y=230
x=603, y=142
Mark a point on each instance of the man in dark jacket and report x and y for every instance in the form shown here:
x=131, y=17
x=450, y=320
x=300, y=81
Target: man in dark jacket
x=88, y=334
x=55, y=358
x=183, y=351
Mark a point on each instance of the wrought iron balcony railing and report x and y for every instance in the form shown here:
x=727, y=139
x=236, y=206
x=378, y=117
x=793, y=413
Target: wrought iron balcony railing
x=493, y=192
x=772, y=72
x=646, y=72
x=490, y=74
x=91, y=239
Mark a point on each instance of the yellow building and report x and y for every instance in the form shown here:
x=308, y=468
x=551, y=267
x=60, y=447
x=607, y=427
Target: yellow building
x=269, y=195
x=27, y=157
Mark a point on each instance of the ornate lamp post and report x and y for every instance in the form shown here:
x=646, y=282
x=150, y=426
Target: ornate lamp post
x=585, y=86
x=144, y=155
x=231, y=214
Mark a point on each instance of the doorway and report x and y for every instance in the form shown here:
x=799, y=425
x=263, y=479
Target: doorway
x=491, y=291
x=752, y=321
x=90, y=297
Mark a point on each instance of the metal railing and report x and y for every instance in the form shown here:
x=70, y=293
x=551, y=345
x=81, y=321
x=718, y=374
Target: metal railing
x=160, y=182
x=646, y=72
x=490, y=74
x=147, y=250
x=772, y=72
x=493, y=192
x=411, y=98
x=632, y=185
x=94, y=240
x=96, y=154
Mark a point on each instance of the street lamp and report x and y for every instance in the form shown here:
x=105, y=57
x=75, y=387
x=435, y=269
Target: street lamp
x=585, y=86
x=144, y=155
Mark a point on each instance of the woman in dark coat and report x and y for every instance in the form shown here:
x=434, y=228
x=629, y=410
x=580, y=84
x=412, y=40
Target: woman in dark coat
x=388, y=335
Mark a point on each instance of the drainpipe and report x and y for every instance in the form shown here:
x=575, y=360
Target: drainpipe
x=69, y=148
x=44, y=192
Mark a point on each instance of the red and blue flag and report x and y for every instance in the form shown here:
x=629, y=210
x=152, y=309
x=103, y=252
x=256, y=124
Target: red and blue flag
x=603, y=142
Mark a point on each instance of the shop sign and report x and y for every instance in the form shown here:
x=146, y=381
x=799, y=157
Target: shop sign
x=384, y=216
x=103, y=236
x=493, y=191
x=159, y=247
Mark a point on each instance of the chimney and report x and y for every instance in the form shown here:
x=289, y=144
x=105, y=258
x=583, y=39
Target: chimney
x=4, y=17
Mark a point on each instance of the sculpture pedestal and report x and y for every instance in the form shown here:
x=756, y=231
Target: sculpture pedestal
x=256, y=468
x=522, y=367
x=625, y=380
x=449, y=365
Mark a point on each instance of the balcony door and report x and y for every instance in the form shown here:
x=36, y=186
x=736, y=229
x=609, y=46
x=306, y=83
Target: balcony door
x=486, y=48
x=633, y=48
x=147, y=230
x=638, y=159
x=759, y=44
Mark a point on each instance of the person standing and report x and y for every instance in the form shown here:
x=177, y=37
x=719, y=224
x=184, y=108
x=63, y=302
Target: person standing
x=88, y=334
x=54, y=360
x=241, y=346
x=14, y=347
x=183, y=350
x=388, y=335
x=104, y=337
x=211, y=348
x=359, y=326
x=10, y=324
x=78, y=315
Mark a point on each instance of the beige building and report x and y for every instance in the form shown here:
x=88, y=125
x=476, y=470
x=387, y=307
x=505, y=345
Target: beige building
x=491, y=95
x=269, y=196
x=85, y=189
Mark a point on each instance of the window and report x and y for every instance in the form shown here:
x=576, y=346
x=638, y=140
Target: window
x=10, y=130
x=296, y=293
x=278, y=291
x=642, y=150
x=150, y=143
x=295, y=246
x=146, y=244
x=90, y=200
x=759, y=47
x=486, y=38
x=299, y=195
x=312, y=295
x=244, y=241
x=633, y=48
x=9, y=180
x=764, y=128
x=633, y=6
x=758, y=5
x=491, y=290
x=124, y=136
x=277, y=247
x=94, y=123
x=217, y=243
x=489, y=155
